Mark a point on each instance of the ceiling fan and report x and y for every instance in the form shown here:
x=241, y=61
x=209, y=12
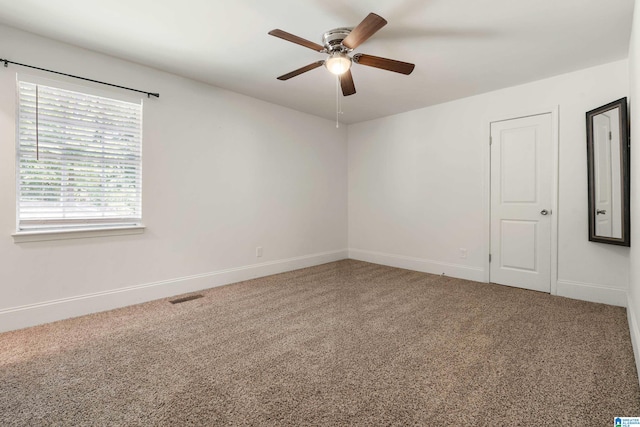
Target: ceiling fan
x=338, y=44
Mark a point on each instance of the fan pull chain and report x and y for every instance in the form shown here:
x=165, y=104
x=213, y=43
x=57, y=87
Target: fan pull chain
x=337, y=102
x=340, y=97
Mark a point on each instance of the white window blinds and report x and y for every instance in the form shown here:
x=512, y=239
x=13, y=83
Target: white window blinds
x=79, y=159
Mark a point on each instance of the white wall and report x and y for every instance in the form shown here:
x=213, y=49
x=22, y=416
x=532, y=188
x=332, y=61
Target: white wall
x=222, y=174
x=418, y=193
x=633, y=308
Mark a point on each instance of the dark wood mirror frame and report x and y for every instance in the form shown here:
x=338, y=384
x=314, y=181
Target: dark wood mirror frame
x=625, y=235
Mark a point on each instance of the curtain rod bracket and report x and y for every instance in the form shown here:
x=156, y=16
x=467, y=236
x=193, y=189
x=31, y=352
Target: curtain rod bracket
x=149, y=94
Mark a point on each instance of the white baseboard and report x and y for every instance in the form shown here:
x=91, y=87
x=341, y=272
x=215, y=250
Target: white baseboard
x=592, y=292
x=419, y=264
x=48, y=311
x=635, y=332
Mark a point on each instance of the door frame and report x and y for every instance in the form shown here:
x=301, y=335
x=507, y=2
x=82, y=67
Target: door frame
x=555, y=139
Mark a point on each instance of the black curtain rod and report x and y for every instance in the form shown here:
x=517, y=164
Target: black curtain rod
x=149, y=94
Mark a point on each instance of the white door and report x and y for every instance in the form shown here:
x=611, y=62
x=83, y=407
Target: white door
x=521, y=200
x=602, y=163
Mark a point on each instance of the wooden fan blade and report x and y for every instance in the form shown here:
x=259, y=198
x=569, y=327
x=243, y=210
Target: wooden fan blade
x=301, y=70
x=383, y=63
x=346, y=83
x=297, y=40
x=368, y=27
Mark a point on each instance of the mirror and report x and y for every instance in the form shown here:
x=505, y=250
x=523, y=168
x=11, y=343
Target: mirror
x=608, y=174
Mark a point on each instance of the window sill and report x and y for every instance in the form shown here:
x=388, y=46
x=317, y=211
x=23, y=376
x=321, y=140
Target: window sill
x=80, y=233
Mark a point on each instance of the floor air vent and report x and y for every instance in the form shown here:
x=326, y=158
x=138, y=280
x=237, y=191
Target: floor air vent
x=185, y=299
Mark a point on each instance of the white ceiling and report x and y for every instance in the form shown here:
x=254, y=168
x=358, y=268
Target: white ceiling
x=460, y=47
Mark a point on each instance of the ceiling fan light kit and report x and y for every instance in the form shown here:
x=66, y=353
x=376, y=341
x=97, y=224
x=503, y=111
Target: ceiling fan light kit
x=338, y=63
x=338, y=43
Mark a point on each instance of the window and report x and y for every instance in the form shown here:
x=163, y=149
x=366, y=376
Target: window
x=79, y=160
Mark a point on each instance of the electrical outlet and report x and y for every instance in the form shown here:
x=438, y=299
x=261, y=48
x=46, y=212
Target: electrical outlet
x=258, y=251
x=463, y=253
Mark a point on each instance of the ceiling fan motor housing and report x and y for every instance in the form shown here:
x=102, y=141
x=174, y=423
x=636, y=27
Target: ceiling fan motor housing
x=332, y=40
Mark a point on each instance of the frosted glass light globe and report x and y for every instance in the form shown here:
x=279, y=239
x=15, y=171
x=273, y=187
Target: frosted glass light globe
x=338, y=63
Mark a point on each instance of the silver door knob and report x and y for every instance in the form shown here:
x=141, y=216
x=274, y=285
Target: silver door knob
x=601, y=211
x=544, y=212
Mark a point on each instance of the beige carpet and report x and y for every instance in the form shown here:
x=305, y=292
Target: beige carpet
x=345, y=343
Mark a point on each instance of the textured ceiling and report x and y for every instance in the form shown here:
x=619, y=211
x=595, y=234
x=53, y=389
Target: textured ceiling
x=460, y=47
